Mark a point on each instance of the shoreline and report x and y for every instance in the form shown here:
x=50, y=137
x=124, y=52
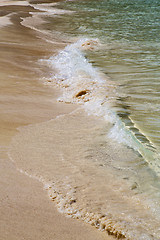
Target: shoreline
x=76, y=148
x=23, y=200
x=26, y=212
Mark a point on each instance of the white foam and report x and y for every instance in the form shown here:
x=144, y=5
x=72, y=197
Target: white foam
x=76, y=74
x=50, y=9
x=84, y=84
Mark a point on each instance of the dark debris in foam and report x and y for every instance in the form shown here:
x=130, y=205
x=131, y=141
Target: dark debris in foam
x=82, y=93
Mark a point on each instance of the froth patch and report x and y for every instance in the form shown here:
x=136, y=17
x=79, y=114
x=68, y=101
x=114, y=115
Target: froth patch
x=90, y=44
x=80, y=81
x=5, y=20
x=67, y=205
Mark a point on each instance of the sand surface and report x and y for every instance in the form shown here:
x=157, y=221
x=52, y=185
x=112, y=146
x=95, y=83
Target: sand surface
x=25, y=209
x=27, y=213
x=19, y=3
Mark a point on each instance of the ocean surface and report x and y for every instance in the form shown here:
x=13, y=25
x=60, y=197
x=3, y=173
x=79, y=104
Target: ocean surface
x=110, y=68
x=129, y=55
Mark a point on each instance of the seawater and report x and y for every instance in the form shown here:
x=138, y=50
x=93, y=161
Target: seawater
x=110, y=66
x=129, y=55
x=128, y=32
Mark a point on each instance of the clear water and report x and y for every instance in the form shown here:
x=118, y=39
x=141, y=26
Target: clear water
x=129, y=33
x=110, y=67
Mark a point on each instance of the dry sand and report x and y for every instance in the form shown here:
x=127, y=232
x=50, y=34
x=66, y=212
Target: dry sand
x=25, y=209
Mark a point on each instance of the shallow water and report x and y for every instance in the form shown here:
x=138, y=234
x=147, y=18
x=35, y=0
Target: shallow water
x=129, y=33
x=102, y=168
x=89, y=177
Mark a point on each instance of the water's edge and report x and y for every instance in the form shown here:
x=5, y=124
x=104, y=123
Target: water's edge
x=84, y=85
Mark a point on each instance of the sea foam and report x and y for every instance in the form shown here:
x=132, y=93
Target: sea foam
x=86, y=85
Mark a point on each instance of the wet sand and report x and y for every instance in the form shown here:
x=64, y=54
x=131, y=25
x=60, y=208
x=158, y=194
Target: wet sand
x=27, y=213
x=53, y=154
x=25, y=209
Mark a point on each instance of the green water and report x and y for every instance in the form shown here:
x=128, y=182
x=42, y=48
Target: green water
x=129, y=32
x=127, y=54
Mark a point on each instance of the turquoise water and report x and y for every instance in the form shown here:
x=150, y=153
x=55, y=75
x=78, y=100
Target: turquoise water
x=129, y=34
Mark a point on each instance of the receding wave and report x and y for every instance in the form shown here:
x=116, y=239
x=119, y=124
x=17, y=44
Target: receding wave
x=81, y=160
x=88, y=176
x=84, y=84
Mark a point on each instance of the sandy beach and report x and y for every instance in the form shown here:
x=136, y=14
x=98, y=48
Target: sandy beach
x=73, y=163
x=26, y=211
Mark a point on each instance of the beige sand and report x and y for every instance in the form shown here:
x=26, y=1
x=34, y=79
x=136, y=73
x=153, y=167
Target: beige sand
x=27, y=213
x=6, y=2
x=25, y=209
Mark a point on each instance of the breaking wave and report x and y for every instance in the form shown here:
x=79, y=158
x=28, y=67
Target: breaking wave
x=84, y=84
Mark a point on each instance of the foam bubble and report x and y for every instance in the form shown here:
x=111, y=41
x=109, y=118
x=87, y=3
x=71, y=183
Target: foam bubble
x=84, y=84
